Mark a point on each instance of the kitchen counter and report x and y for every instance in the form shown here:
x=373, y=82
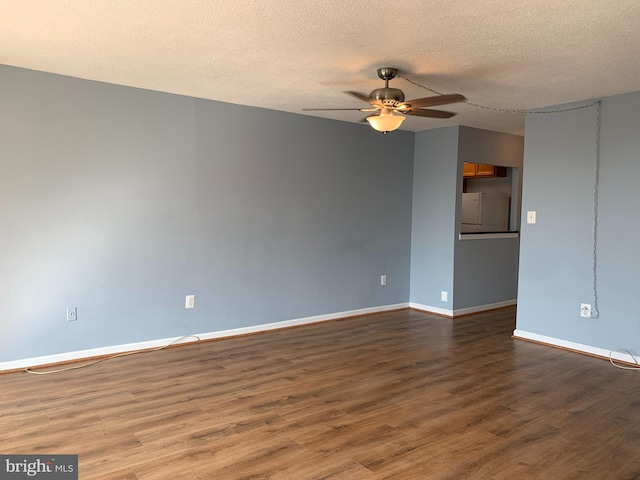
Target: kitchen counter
x=487, y=236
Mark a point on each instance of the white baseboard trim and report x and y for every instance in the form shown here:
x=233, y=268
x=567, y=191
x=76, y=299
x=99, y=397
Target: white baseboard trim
x=300, y=321
x=131, y=347
x=461, y=311
x=576, y=347
x=482, y=308
x=429, y=309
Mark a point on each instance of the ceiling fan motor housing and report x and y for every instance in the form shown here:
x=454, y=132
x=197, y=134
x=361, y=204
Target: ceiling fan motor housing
x=387, y=73
x=387, y=94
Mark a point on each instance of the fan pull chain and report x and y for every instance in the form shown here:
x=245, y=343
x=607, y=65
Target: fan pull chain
x=501, y=110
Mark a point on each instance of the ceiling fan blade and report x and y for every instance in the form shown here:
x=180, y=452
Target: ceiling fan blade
x=417, y=112
x=322, y=109
x=433, y=101
x=364, y=98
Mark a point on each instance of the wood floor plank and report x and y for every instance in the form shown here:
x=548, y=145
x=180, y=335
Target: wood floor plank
x=124, y=474
x=399, y=394
x=443, y=457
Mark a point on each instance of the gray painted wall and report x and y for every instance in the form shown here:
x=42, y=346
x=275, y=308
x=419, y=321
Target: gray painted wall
x=122, y=201
x=556, y=252
x=491, y=148
x=485, y=272
x=435, y=199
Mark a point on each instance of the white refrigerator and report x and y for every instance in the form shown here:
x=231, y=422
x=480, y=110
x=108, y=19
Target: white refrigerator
x=485, y=212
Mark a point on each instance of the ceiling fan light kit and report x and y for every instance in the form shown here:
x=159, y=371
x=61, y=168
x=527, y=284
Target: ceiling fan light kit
x=385, y=122
x=387, y=101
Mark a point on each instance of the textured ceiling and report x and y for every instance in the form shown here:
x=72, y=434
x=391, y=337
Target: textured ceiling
x=286, y=55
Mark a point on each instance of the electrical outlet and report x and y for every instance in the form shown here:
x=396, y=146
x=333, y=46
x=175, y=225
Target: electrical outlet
x=190, y=301
x=383, y=279
x=444, y=296
x=585, y=310
x=531, y=216
x=72, y=314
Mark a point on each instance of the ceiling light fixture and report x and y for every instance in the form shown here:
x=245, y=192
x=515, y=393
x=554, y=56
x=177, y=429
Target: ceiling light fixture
x=387, y=101
x=385, y=121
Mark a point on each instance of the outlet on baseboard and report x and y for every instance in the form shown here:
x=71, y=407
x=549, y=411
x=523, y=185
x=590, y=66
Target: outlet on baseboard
x=444, y=296
x=585, y=310
x=383, y=279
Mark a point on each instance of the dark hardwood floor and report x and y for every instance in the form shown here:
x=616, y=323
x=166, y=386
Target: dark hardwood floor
x=402, y=395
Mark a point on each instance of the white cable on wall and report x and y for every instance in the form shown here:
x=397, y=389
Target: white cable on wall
x=504, y=110
x=634, y=366
x=104, y=359
x=594, y=224
x=595, y=312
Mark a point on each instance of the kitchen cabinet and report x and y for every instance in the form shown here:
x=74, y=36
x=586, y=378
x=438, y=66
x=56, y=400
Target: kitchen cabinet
x=481, y=170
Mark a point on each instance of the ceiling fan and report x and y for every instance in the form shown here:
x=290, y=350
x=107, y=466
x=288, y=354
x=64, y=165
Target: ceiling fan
x=387, y=101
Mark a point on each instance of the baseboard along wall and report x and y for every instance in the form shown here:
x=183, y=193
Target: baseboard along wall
x=50, y=360
x=574, y=347
x=94, y=353
x=461, y=311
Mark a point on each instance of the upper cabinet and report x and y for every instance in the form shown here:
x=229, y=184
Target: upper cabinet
x=481, y=170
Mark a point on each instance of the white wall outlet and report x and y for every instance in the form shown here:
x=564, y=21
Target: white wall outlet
x=531, y=216
x=72, y=314
x=190, y=301
x=444, y=296
x=585, y=310
x=383, y=279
